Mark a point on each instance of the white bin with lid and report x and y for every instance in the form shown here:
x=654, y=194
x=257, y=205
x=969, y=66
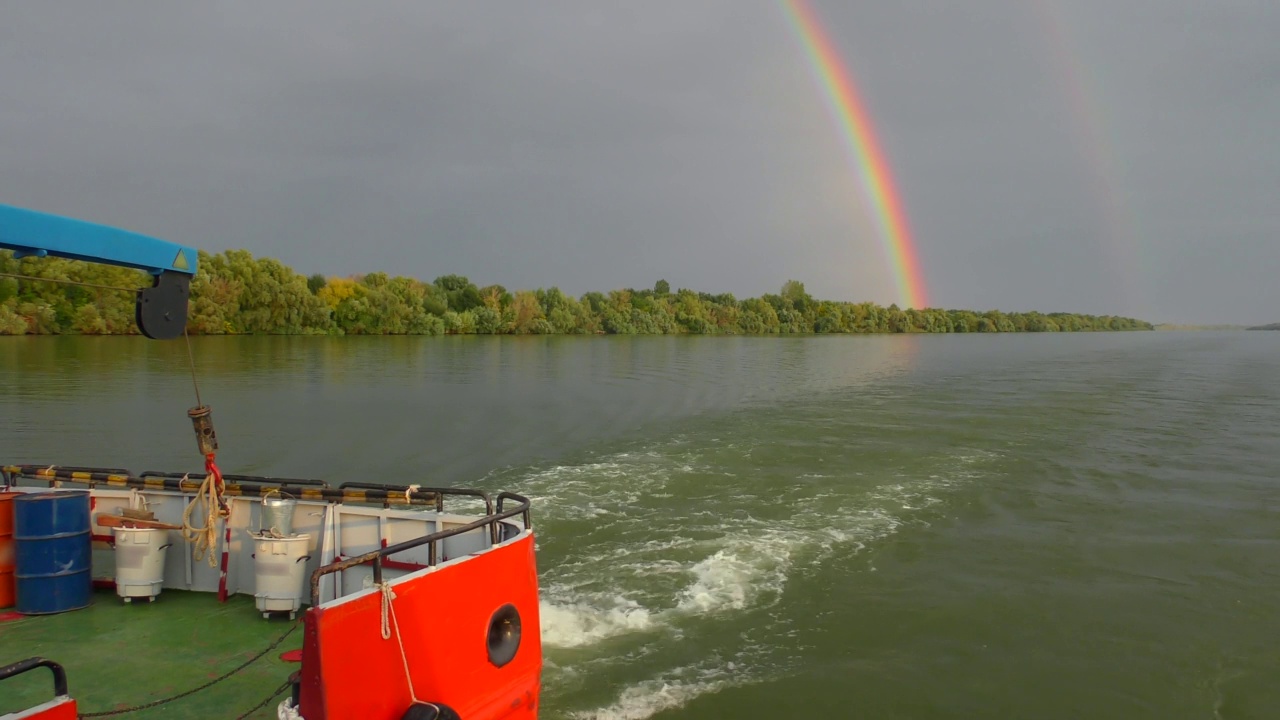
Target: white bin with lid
x=279, y=567
x=140, y=561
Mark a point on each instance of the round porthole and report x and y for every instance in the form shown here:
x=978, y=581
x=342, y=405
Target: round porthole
x=429, y=711
x=504, y=635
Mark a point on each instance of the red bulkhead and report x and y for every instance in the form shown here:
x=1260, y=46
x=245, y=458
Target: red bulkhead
x=60, y=708
x=457, y=623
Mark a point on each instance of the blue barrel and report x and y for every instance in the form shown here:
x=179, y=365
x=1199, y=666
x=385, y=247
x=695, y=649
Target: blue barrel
x=51, y=532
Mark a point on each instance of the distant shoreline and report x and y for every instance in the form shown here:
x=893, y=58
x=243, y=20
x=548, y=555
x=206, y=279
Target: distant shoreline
x=234, y=293
x=1175, y=326
x=601, y=334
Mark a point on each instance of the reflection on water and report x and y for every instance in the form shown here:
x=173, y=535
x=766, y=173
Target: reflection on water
x=433, y=409
x=929, y=527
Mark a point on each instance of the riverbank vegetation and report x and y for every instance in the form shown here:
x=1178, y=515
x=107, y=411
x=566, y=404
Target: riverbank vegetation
x=1198, y=328
x=235, y=293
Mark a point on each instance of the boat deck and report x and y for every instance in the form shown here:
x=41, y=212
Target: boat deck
x=119, y=655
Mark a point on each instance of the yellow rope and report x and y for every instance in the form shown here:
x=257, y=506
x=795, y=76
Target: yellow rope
x=388, y=620
x=203, y=539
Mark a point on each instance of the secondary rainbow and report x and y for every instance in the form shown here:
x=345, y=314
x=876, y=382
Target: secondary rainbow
x=850, y=114
x=1121, y=238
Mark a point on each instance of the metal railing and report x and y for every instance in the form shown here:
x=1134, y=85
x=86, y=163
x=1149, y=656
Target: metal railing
x=234, y=485
x=317, y=490
x=492, y=520
x=59, y=675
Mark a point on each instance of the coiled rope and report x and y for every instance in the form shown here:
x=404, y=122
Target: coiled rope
x=204, y=539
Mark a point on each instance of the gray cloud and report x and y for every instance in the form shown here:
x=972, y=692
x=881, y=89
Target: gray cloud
x=1088, y=156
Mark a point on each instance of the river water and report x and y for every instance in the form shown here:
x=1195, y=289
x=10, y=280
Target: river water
x=1048, y=526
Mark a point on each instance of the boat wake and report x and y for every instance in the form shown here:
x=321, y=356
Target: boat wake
x=666, y=554
x=670, y=690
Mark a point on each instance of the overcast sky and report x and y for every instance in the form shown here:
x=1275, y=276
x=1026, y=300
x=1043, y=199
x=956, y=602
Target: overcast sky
x=1101, y=156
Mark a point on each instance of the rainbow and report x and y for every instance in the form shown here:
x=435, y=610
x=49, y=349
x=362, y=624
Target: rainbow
x=1121, y=241
x=851, y=115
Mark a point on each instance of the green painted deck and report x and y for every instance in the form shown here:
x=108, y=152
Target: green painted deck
x=119, y=655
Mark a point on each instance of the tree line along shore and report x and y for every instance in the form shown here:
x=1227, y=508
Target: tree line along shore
x=235, y=293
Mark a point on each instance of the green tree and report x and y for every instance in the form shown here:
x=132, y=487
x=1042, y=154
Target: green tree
x=234, y=292
x=793, y=290
x=460, y=294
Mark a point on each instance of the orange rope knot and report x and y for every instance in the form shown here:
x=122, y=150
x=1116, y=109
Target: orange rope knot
x=211, y=467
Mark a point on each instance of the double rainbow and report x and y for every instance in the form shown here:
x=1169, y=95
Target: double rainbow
x=850, y=114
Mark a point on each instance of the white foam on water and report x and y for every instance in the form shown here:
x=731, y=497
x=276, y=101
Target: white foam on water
x=744, y=571
x=569, y=625
x=592, y=490
x=723, y=581
x=734, y=576
x=646, y=700
x=654, y=569
x=671, y=690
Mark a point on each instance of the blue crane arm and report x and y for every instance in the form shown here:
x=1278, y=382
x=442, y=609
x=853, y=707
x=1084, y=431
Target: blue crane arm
x=31, y=233
x=161, y=310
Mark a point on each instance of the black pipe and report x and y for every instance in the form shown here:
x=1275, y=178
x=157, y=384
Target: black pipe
x=440, y=492
x=188, y=482
x=59, y=675
x=258, y=479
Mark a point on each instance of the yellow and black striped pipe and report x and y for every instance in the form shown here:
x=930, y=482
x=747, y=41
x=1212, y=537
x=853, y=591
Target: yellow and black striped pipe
x=241, y=486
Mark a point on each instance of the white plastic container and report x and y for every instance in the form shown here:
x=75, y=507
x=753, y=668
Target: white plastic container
x=140, y=562
x=279, y=567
